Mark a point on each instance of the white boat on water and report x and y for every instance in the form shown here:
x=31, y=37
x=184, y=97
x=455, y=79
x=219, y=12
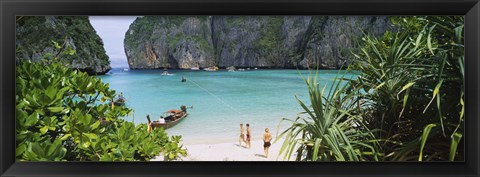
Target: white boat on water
x=195, y=68
x=211, y=68
x=126, y=69
x=231, y=69
x=165, y=73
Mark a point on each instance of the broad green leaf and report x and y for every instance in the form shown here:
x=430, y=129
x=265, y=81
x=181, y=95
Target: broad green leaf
x=44, y=129
x=95, y=125
x=425, y=134
x=32, y=119
x=453, y=146
x=54, y=148
x=51, y=92
x=37, y=149
x=56, y=45
x=21, y=118
x=458, y=34
x=405, y=87
x=20, y=149
x=66, y=136
x=419, y=38
x=429, y=40
x=90, y=135
x=55, y=109
x=86, y=144
x=437, y=88
x=435, y=93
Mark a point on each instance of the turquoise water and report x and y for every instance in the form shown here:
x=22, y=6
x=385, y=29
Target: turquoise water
x=221, y=100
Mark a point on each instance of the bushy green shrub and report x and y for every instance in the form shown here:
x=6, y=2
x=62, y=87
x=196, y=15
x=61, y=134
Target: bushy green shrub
x=63, y=114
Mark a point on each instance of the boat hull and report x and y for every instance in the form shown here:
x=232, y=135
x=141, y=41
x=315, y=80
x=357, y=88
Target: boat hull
x=168, y=124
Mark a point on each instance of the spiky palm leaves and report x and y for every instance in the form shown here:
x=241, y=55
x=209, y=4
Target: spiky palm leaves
x=414, y=84
x=328, y=131
x=410, y=91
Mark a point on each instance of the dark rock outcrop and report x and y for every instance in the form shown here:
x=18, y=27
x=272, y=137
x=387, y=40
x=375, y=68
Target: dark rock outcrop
x=35, y=36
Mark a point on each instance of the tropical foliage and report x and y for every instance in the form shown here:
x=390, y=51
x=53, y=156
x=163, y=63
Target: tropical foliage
x=65, y=115
x=409, y=98
x=330, y=132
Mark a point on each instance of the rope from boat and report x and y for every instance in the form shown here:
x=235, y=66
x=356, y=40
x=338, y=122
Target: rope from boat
x=218, y=98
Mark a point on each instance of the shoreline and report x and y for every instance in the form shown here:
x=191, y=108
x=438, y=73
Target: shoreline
x=231, y=151
x=225, y=68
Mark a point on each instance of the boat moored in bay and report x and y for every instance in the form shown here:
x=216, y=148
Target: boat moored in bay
x=168, y=119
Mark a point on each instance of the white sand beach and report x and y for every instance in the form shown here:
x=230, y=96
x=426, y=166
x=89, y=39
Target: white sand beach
x=230, y=151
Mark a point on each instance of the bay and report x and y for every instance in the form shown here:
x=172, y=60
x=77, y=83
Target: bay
x=221, y=100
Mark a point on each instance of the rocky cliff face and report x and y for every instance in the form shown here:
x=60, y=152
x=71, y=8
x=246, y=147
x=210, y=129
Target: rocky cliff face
x=34, y=36
x=246, y=41
x=332, y=39
x=170, y=42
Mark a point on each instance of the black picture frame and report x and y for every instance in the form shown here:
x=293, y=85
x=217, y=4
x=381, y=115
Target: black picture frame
x=10, y=8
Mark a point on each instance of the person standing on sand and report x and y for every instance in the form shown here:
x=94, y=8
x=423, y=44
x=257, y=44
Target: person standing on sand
x=248, y=135
x=267, y=137
x=242, y=136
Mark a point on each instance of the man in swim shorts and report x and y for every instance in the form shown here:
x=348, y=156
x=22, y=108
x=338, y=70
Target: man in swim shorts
x=267, y=137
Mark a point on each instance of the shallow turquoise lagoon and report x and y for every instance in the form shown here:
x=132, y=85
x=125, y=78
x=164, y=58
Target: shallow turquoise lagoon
x=221, y=100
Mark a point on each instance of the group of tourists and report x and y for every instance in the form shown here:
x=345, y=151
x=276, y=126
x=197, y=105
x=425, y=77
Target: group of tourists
x=267, y=138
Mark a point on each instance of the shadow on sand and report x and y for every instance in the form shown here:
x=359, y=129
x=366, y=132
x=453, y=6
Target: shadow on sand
x=261, y=155
x=240, y=146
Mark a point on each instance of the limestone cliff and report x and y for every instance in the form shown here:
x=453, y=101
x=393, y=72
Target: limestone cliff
x=35, y=36
x=246, y=41
x=170, y=42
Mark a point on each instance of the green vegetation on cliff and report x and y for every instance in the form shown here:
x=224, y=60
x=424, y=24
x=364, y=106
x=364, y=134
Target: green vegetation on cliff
x=272, y=34
x=34, y=35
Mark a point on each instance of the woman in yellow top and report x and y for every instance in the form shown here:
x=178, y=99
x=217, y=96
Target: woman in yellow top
x=242, y=136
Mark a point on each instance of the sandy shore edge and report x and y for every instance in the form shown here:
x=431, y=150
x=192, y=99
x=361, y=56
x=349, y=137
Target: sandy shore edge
x=231, y=151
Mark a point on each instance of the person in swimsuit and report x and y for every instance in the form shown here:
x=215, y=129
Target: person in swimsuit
x=242, y=135
x=267, y=137
x=248, y=135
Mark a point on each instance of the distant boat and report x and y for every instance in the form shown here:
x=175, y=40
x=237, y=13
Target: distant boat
x=231, y=69
x=165, y=73
x=215, y=68
x=195, y=68
x=120, y=100
x=256, y=68
x=126, y=69
x=241, y=69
